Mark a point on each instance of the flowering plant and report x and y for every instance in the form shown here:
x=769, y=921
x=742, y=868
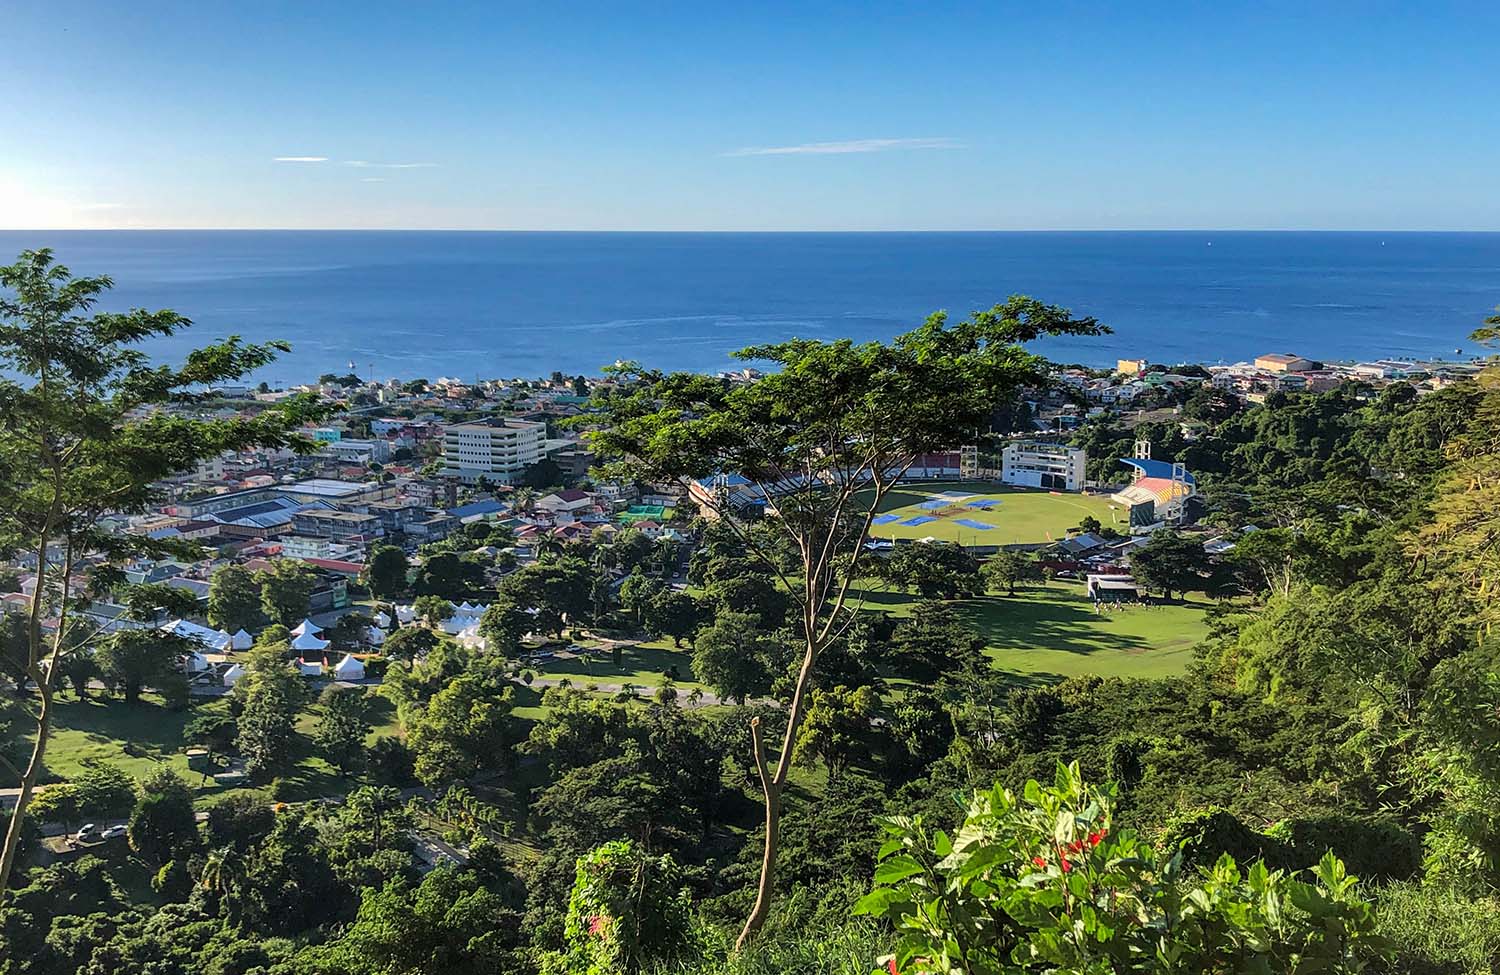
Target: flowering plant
x=1046, y=883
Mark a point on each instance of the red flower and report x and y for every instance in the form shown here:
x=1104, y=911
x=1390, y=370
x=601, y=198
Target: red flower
x=1066, y=866
x=890, y=966
x=596, y=924
x=1040, y=863
x=1096, y=838
x=1076, y=846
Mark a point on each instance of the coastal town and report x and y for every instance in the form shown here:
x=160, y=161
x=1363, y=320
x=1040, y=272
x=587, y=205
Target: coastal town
x=497, y=473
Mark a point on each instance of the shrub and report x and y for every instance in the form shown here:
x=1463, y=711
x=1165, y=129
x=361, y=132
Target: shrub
x=1045, y=881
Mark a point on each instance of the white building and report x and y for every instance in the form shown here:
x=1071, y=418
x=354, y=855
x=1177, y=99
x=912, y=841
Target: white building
x=497, y=452
x=1043, y=465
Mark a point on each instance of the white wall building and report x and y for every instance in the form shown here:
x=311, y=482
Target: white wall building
x=498, y=453
x=1043, y=465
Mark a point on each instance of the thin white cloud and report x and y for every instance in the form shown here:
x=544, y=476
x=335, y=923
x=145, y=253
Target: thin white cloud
x=366, y=164
x=101, y=206
x=843, y=148
x=373, y=179
x=301, y=159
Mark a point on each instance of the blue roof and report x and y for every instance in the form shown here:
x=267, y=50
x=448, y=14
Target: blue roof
x=488, y=506
x=1154, y=468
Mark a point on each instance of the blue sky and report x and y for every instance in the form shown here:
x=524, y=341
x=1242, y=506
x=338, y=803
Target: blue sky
x=759, y=116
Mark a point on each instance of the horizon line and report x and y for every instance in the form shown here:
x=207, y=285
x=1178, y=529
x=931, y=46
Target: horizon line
x=881, y=230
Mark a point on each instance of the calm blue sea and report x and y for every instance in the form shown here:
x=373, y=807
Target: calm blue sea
x=522, y=304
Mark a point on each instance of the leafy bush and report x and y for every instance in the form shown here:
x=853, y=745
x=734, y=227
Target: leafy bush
x=626, y=908
x=1045, y=883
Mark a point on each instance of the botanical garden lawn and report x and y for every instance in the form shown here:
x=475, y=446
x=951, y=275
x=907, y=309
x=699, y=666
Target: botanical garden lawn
x=642, y=664
x=1049, y=631
x=1019, y=516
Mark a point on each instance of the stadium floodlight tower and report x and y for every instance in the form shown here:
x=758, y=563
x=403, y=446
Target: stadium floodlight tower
x=1180, y=491
x=968, y=462
x=1143, y=450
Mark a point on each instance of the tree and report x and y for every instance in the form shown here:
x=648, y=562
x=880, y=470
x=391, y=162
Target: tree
x=131, y=660
x=829, y=431
x=343, y=725
x=449, y=576
x=836, y=726
x=1006, y=569
x=273, y=695
x=82, y=438
x=502, y=625
x=627, y=910
x=542, y=475
x=1170, y=563
x=464, y=728
x=556, y=589
x=409, y=643
x=673, y=613
x=214, y=732
x=286, y=590
x=350, y=631
x=234, y=599
x=933, y=570
x=636, y=592
x=732, y=655
x=385, y=572
x=163, y=819
x=432, y=610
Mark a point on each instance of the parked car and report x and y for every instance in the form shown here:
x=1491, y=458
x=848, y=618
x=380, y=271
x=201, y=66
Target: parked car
x=86, y=832
x=112, y=832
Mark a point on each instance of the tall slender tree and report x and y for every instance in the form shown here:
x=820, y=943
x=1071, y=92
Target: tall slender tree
x=85, y=431
x=824, y=437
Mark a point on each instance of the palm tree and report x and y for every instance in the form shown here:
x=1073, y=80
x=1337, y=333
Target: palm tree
x=695, y=696
x=523, y=499
x=222, y=874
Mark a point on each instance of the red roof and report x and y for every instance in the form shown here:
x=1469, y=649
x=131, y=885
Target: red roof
x=338, y=565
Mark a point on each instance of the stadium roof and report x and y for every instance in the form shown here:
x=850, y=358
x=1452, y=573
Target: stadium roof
x=1154, y=468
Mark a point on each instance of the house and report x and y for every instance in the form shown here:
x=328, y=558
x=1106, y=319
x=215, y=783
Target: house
x=1283, y=362
x=569, y=501
x=1130, y=367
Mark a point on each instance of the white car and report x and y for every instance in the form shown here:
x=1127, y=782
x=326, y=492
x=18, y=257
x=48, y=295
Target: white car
x=112, y=832
x=86, y=832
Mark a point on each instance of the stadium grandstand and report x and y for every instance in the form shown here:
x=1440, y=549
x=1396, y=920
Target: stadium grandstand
x=1157, y=492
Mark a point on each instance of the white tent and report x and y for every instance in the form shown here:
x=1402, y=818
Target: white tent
x=374, y=636
x=233, y=674
x=349, y=668
x=241, y=640
x=463, y=608
x=310, y=668
x=307, y=641
x=305, y=627
x=202, y=635
x=382, y=619
x=195, y=663
x=405, y=614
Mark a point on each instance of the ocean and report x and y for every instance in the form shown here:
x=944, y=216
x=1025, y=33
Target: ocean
x=406, y=304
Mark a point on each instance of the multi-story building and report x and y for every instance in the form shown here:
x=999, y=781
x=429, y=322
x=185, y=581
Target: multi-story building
x=1043, y=465
x=497, y=452
x=335, y=525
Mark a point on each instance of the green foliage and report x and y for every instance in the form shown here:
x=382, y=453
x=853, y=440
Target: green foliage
x=162, y=825
x=272, y=695
x=234, y=600
x=733, y=656
x=932, y=570
x=343, y=725
x=1048, y=882
x=626, y=909
x=385, y=571
x=285, y=590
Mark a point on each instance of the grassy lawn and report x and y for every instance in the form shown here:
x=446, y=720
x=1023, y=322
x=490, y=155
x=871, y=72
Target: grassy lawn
x=1052, y=630
x=642, y=664
x=139, y=737
x=1018, y=516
